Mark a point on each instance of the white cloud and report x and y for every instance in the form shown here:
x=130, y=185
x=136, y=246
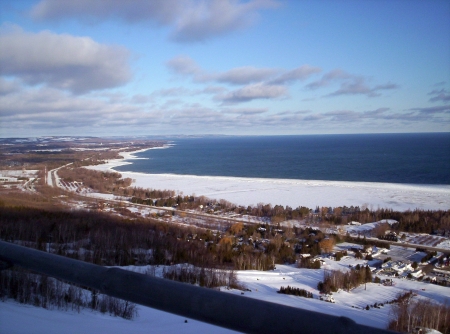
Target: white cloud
x=190, y=20
x=328, y=78
x=300, y=73
x=43, y=110
x=8, y=86
x=184, y=65
x=440, y=95
x=257, y=83
x=244, y=75
x=349, y=84
x=358, y=85
x=245, y=111
x=77, y=64
x=252, y=92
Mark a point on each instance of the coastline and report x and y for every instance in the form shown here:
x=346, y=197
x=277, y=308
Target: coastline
x=309, y=193
x=111, y=164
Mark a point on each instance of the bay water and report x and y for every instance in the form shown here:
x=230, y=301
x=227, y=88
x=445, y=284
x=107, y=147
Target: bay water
x=417, y=158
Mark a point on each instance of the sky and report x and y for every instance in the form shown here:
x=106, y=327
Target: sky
x=234, y=67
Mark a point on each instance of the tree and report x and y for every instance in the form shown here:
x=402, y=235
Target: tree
x=236, y=228
x=327, y=245
x=368, y=274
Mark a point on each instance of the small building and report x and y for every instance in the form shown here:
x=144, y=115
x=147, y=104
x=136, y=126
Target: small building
x=416, y=274
x=355, y=223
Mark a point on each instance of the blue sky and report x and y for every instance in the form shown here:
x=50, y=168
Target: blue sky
x=256, y=67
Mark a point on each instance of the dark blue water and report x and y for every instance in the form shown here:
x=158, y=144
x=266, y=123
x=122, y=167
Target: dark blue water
x=396, y=158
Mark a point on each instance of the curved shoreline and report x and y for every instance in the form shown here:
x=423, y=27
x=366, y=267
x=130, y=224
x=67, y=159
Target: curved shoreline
x=309, y=193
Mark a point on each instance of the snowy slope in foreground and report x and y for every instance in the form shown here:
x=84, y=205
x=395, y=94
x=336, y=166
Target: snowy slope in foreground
x=23, y=319
x=16, y=318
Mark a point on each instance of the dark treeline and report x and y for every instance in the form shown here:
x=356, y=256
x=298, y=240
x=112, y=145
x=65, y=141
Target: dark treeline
x=109, y=240
x=295, y=291
x=106, y=240
x=418, y=221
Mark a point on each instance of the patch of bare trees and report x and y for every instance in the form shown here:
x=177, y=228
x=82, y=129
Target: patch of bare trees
x=410, y=313
x=110, y=182
x=334, y=280
x=42, y=291
x=205, y=277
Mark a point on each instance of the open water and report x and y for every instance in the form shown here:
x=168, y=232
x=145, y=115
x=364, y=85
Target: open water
x=420, y=158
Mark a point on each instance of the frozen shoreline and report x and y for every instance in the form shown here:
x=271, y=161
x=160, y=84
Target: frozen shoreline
x=309, y=193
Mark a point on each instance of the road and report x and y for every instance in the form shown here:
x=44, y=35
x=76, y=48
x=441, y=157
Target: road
x=53, y=180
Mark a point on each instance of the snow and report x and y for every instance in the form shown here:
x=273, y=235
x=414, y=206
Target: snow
x=17, y=318
x=350, y=304
x=19, y=172
x=309, y=193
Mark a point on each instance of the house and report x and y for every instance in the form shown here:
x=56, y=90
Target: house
x=354, y=223
x=416, y=274
x=398, y=268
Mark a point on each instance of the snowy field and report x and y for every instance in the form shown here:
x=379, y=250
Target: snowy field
x=17, y=318
x=309, y=193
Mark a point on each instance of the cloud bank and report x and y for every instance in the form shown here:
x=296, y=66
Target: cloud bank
x=77, y=64
x=189, y=20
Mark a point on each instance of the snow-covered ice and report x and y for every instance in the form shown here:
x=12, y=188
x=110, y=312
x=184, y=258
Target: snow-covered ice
x=309, y=193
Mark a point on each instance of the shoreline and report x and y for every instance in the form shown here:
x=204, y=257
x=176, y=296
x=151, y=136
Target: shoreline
x=292, y=192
